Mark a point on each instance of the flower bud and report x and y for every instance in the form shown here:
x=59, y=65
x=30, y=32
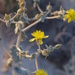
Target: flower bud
x=57, y=46
x=19, y=11
x=6, y=17
x=45, y=52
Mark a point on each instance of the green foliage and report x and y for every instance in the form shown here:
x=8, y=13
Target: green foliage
x=14, y=53
x=24, y=18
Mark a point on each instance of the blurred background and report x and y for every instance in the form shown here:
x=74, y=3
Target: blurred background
x=59, y=62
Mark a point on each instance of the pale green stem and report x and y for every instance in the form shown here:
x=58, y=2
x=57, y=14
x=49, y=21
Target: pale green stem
x=18, y=39
x=17, y=45
x=37, y=54
x=36, y=62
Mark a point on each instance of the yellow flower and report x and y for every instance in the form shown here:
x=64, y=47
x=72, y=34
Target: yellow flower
x=38, y=36
x=70, y=15
x=41, y=72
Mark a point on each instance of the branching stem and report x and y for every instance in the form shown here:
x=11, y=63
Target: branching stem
x=36, y=22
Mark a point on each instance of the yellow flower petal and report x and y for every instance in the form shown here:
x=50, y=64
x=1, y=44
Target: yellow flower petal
x=46, y=36
x=39, y=35
x=70, y=15
x=31, y=40
x=40, y=42
x=41, y=72
x=69, y=20
x=67, y=11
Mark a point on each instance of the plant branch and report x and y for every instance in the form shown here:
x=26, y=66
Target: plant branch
x=14, y=17
x=36, y=62
x=54, y=17
x=37, y=54
x=10, y=19
x=31, y=25
x=18, y=39
x=2, y=20
x=39, y=9
x=39, y=46
x=25, y=29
